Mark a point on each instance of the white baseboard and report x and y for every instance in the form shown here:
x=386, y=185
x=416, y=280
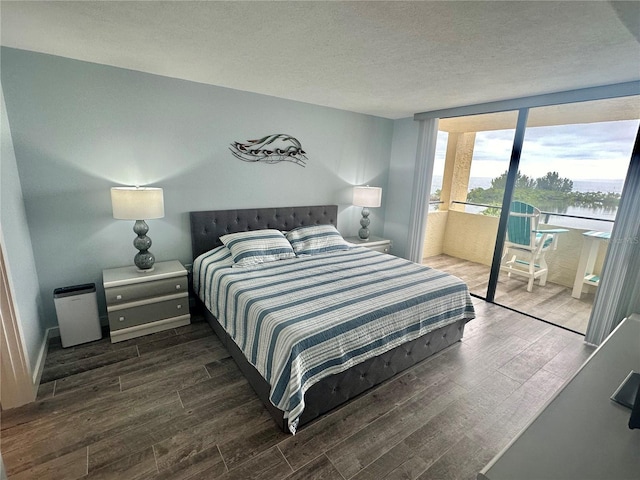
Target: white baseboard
x=42, y=356
x=51, y=332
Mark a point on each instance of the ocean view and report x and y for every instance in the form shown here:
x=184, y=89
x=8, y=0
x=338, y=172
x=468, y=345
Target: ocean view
x=614, y=186
x=593, y=185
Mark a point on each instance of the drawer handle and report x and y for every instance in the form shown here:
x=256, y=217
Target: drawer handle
x=178, y=287
x=178, y=306
x=118, y=297
x=121, y=319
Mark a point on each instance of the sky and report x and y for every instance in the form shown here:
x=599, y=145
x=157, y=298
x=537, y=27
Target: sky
x=589, y=151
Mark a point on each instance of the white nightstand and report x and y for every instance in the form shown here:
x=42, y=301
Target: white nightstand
x=374, y=243
x=143, y=303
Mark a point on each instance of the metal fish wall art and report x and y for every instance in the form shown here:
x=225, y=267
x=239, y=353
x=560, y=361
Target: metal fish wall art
x=274, y=148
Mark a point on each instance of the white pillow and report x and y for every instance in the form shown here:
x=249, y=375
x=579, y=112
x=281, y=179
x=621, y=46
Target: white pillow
x=316, y=239
x=257, y=246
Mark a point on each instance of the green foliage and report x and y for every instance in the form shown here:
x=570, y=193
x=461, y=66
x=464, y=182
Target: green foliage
x=435, y=197
x=608, y=200
x=552, y=181
x=548, y=193
x=522, y=181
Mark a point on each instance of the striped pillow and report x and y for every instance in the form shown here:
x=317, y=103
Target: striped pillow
x=316, y=239
x=258, y=246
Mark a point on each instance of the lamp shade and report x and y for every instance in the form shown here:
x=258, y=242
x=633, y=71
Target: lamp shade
x=137, y=203
x=367, y=196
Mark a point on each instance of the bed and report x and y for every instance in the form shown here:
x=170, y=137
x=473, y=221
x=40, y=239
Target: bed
x=295, y=322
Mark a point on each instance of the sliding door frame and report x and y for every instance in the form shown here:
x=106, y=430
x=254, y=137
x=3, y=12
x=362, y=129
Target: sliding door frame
x=512, y=175
x=522, y=105
x=628, y=89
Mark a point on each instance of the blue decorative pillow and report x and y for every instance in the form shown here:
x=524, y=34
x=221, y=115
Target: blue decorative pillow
x=316, y=239
x=257, y=246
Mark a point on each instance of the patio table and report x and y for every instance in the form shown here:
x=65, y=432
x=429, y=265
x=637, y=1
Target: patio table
x=584, y=274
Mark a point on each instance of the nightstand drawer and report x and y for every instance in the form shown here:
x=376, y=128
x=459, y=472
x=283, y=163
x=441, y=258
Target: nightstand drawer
x=386, y=248
x=138, y=291
x=128, y=317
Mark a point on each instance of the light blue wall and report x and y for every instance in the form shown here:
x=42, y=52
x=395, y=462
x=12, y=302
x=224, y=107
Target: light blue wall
x=20, y=263
x=80, y=128
x=400, y=184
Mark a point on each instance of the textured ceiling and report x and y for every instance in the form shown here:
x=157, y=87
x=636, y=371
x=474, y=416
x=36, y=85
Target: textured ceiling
x=390, y=59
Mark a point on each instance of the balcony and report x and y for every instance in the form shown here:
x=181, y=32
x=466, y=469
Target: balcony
x=570, y=158
x=462, y=244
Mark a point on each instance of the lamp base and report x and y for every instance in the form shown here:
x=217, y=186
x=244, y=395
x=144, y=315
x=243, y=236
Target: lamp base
x=148, y=270
x=363, y=233
x=144, y=259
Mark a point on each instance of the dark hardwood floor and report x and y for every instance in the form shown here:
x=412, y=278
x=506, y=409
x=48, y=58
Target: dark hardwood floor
x=173, y=405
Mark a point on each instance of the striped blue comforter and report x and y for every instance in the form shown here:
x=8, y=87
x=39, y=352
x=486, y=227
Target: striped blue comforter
x=303, y=319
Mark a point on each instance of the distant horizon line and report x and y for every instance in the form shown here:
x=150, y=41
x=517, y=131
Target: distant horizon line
x=572, y=179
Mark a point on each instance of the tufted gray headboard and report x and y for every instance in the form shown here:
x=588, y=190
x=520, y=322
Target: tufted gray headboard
x=207, y=227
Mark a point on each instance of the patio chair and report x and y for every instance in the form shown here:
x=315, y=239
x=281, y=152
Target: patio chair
x=526, y=246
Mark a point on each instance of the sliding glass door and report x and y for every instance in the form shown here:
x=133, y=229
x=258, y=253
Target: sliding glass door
x=564, y=165
x=570, y=175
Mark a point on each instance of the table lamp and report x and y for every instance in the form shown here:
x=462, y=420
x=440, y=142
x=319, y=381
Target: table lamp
x=139, y=204
x=366, y=197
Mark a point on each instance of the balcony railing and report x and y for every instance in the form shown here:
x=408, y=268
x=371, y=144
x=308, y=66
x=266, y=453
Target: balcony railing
x=472, y=236
x=546, y=214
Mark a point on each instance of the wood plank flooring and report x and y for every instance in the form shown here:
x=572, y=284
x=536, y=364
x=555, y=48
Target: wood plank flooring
x=552, y=302
x=173, y=405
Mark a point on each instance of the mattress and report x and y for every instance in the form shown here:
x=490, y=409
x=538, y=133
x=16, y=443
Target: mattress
x=300, y=320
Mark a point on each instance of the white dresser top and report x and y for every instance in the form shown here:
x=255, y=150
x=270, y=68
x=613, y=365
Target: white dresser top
x=371, y=241
x=115, y=277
